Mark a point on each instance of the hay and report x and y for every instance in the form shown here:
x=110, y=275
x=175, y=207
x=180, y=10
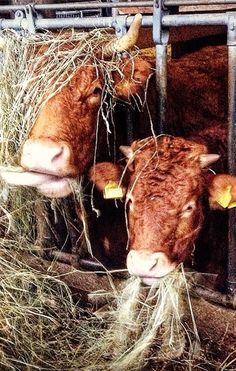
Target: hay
x=37, y=317
x=41, y=328
x=145, y=325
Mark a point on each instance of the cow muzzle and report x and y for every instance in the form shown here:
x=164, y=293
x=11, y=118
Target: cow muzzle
x=149, y=266
x=47, y=157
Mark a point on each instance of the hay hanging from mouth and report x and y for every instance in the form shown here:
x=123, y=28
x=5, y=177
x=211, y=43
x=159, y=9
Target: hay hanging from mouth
x=147, y=325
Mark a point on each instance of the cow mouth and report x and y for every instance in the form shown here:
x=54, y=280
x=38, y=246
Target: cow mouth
x=149, y=266
x=151, y=281
x=154, y=281
x=47, y=184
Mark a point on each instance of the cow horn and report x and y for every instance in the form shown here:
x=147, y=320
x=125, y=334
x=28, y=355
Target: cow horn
x=208, y=159
x=127, y=41
x=127, y=151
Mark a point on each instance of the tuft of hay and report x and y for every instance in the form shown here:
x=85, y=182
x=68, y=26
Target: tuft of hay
x=38, y=320
x=147, y=324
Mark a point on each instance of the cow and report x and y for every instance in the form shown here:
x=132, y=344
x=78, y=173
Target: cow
x=164, y=183
x=61, y=142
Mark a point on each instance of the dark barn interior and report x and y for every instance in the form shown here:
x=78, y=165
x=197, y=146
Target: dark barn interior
x=191, y=47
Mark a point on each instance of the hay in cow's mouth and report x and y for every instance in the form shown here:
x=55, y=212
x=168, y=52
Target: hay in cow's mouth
x=146, y=325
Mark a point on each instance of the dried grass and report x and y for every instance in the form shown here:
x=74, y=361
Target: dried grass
x=42, y=328
x=145, y=325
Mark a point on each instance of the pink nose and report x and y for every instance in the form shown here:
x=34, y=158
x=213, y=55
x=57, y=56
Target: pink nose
x=144, y=263
x=46, y=156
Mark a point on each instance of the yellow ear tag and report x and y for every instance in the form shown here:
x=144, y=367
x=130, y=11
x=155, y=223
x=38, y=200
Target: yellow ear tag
x=112, y=190
x=231, y=205
x=224, y=197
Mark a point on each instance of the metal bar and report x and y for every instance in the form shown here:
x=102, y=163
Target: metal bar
x=231, y=41
x=160, y=37
x=92, y=5
x=57, y=23
x=206, y=19
x=129, y=127
x=216, y=297
x=147, y=21
x=73, y=6
x=198, y=2
x=161, y=86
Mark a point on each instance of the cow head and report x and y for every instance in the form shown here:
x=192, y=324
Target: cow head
x=62, y=139
x=164, y=181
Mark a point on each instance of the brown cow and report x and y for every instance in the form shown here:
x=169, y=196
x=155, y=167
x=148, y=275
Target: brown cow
x=164, y=181
x=62, y=140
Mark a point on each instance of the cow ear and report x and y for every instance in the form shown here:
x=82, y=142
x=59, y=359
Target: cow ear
x=131, y=77
x=108, y=178
x=222, y=191
x=129, y=154
x=127, y=151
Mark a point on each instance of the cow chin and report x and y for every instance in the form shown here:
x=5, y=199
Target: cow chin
x=149, y=266
x=56, y=188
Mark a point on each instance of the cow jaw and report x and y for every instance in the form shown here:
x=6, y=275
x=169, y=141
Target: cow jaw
x=149, y=266
x=48, y=185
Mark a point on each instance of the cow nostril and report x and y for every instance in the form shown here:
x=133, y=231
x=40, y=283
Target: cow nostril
x=153, y=264
x=59, y=153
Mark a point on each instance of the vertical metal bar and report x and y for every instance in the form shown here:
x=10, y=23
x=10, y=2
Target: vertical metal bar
x=161, y=87
x=121, y=29
x=231, y=41
x=160, y=37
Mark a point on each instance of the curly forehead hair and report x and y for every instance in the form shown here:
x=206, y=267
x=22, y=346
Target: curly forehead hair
x=171, y=163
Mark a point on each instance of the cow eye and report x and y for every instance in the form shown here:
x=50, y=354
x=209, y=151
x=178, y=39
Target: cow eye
x=97, y=90
x=94, y=96
x=188, y=208
x=129, y=203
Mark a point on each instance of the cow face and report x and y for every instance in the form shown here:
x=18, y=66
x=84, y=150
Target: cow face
x=64, y=131
x=62, y=139
x=164, y=182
